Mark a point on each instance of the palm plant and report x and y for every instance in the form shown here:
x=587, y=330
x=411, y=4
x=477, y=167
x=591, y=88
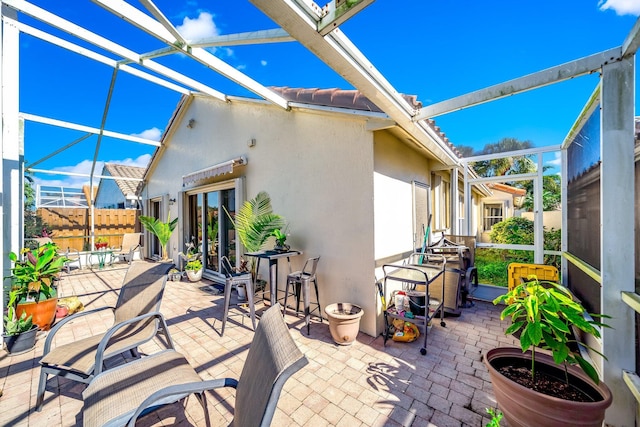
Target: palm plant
x=162, y=230
x=255, y=222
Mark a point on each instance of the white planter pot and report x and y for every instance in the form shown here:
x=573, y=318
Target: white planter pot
x=194, y=275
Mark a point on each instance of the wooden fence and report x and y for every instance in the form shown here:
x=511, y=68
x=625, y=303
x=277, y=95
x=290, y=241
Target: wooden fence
x=72, y=226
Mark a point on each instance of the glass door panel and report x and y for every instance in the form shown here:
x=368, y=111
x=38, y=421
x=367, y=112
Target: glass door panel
x=211, y=227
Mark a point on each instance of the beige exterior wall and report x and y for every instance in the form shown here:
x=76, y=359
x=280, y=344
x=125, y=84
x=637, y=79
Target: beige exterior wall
x=506, y=199
x=396, y=166
x=551, y=219
x=318, y=170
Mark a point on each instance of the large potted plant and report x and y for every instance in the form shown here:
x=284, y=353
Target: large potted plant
x=33, y=279
x=255, y=222
x=162, y=230
x=533, y=388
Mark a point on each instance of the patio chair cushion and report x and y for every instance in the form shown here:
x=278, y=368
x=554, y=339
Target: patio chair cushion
x=113, y=396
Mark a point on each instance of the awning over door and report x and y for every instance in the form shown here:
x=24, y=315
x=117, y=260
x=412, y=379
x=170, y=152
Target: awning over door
x=211, y=171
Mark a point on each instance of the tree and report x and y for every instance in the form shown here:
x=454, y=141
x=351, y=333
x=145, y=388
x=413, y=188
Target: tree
x=34, y=226
x=551, y=193
x=506, y=165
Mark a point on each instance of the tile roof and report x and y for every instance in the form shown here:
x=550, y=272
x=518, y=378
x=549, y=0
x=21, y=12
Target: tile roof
x=352, y=99
x=127, y=187
x=335, y=97
x=508, y=189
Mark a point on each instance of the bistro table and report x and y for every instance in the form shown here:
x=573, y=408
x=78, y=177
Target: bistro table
x=102, y=257
x=273, y=257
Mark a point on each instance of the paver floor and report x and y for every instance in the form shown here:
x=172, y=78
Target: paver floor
x=365, y=384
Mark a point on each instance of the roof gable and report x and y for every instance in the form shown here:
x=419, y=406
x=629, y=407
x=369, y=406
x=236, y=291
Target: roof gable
x=127, y=187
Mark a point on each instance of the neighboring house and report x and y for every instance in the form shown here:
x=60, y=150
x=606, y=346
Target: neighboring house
x=119, y=193
x=355, y=188
x=500, y=205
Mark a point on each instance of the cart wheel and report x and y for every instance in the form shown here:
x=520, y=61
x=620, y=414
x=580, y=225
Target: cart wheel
x=443, y=323
x=423, y=351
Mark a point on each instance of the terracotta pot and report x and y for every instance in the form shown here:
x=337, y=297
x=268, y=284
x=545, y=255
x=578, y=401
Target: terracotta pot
x=21, y=342
x=43, y=312
x=344, y=321
x=523, y=407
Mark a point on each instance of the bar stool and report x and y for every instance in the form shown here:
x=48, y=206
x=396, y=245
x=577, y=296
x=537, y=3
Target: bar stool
x=234, y=279
x=301, y=279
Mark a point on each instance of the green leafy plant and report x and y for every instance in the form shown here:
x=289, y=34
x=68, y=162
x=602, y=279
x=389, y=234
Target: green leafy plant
x=280, y=236
x=34, y=275
x=544, y=312
x=32, y=279
x=194, y=265
x=496, y=417
x=15, y=326
x=255, y=222
x=162, y=230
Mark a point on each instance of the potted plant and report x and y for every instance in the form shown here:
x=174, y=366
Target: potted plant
x=33, y=284
x=101, y=242
x=162, y=230
x=19, y=332
x=281, y=240
x=255, y=222
x=533, y=388
x=194, y=270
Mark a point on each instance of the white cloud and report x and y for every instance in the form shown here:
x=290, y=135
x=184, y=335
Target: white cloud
x=621, y=7
x=556, y=162
x=241, y=67
x=198, y=28
x=153, y=134
x=84, y=167
x=263, y=63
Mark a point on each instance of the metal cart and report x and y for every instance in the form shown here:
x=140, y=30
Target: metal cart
x=416, y=278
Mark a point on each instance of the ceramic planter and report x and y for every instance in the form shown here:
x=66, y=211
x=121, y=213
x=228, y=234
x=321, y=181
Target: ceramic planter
x=344, y=321
x=43, y=312
x=523, y=407
x=21, y=342
x=194, y=275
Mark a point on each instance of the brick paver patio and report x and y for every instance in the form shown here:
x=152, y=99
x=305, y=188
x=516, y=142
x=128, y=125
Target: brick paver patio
x=365, y=384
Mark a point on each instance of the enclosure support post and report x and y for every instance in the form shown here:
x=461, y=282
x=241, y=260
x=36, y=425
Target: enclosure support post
x=538, y=214
x=455, y=214
x=10, y=143
x=617, y=251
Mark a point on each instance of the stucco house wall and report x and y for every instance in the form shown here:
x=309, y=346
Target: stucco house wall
x=318, y=169
x=500, y=197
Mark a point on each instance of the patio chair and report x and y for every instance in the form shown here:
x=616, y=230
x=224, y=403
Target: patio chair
x=119, y=396
x=130, y=245
x=139, y=298
x=234, y=278
x=73, y=257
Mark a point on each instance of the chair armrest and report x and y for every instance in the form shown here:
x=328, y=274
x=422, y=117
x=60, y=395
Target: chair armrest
x=104, y=342
x=167, y=395
x=64, y=321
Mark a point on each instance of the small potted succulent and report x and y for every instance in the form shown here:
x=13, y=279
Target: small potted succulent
x=534, y=388
x=194, y=270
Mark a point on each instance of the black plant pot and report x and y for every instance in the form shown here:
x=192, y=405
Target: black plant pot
x=21, y=342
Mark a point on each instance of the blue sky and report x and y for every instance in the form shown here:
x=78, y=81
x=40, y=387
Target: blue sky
x=435, y=49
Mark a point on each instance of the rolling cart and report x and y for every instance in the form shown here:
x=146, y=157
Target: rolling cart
x=416, y=278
